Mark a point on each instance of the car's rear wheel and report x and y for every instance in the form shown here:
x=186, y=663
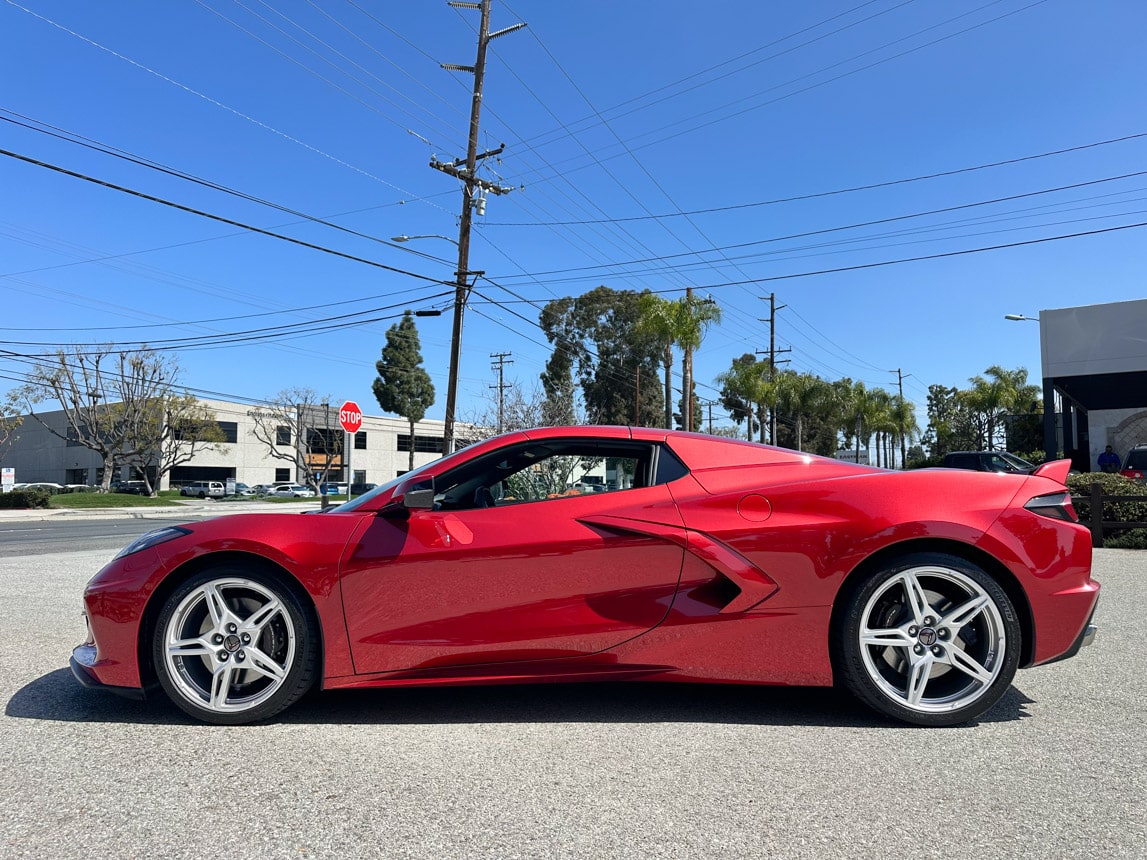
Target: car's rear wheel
x=235, y=646
x=931, y=639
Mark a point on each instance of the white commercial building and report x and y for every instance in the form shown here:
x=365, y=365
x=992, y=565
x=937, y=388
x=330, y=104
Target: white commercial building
x=380, y=451
x=1095, y=360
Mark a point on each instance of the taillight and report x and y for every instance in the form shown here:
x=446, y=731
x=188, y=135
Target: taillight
x=1055, y=505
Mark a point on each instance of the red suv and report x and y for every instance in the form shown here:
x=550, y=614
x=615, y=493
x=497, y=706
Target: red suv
x=1135, y=466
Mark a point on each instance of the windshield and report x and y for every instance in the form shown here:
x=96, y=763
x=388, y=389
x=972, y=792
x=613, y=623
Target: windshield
x=1017, y=462
x=357, y=501
x=1136, y=459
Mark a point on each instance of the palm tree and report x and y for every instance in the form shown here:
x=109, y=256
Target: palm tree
x=800, y=396
x=749, y=381
x=882, y=422
x=859, y=412
x=694, y=318
x=993, y=398
x=681, y=323
x=907, y=429
x=659, y=318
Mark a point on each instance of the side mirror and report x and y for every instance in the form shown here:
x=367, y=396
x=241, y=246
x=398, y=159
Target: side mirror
x=414, y=494
x=421, y=499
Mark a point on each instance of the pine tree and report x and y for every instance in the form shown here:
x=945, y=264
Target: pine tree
x=403, y=386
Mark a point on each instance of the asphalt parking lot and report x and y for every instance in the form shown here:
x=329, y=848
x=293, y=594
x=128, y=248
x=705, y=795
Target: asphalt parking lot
x=596, y=771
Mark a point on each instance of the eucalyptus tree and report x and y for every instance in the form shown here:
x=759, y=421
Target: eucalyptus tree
x=739, y=407
x=10, y=420
x=403, y=386
x=599, y=343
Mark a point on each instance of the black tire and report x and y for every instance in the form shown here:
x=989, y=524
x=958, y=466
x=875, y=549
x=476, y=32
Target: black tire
x=234, y=645
x=929, y=639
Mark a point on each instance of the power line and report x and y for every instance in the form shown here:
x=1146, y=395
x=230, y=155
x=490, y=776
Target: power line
x=212, y=217
x=835, y=192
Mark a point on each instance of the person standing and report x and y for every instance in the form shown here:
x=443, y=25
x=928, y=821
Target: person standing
x=1109, y=461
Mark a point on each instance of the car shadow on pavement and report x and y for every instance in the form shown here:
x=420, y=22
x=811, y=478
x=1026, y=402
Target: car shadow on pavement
x=57, y=696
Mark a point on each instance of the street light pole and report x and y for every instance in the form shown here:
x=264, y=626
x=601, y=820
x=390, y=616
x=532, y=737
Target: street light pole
x=1050, y=396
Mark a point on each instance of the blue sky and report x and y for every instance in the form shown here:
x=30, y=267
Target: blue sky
x=653, y=145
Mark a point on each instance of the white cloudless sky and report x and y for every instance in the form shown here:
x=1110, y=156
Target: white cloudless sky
x=741, y=148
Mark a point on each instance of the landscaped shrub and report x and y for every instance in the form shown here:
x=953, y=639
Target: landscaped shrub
x=1130, y=539
x=1122, y=512
x=24, y=499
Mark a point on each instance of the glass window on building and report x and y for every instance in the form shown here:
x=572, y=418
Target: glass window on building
x=360, y=440
x=283, y=437
x=282, y=476
x=422, y=444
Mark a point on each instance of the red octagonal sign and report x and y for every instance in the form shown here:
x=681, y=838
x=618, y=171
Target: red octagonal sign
x=350, y=417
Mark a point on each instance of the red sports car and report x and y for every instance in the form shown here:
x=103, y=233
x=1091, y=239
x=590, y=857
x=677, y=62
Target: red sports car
x=594, y=553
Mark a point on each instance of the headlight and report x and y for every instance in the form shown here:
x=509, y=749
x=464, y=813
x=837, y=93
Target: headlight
x=153, y=538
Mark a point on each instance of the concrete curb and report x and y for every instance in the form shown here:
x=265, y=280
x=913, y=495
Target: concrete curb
x=190, y=510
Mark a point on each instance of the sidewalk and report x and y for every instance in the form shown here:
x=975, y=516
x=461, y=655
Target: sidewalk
x=197, y=509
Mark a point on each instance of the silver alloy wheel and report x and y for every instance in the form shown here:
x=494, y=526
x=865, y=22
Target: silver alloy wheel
x=932, y=639
x=229, y=645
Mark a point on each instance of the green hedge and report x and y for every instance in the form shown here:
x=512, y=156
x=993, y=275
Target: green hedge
x=24, y=499
x=1113, y=511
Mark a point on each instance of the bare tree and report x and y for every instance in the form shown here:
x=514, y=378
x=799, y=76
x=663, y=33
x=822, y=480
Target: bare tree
x=169, y=431
x=520, y=411
x=101, y=391
x=10, y=420
x=301, y=428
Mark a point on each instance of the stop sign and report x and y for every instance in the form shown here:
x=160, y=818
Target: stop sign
x=350, y=417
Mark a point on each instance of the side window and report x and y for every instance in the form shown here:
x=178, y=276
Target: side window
x=570, y=474
x=553, y=470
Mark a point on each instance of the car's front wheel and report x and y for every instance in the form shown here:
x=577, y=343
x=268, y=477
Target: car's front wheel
x=931, y=639
x=235, y=646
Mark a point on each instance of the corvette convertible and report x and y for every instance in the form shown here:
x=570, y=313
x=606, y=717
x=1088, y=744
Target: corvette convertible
x=599, y=553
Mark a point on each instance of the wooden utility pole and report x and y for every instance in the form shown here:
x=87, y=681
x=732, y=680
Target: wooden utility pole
x=687, y=373
x=473, y=196
x=772, y=321
x=499, y=365
x=903, y=442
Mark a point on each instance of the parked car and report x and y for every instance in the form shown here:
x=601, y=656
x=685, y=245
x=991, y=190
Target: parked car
x=135, y=488
x=50, y=486
x=204, y=490
x=292, y=491
x=243, y=490
x=988, y=461
x=1135, y=466
x=360, y=489
x=332, y=489
x=921, y=592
